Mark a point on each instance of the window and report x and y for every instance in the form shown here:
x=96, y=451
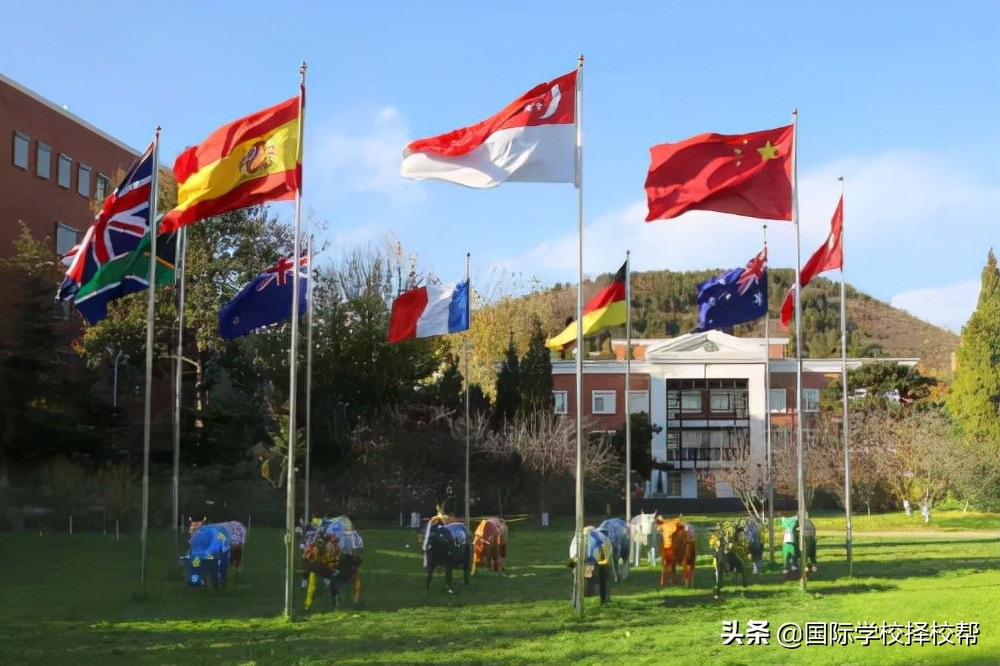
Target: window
x=638, y=401
x=691, y=401
x=102, y=187
x=83, y=180
x=65, y=162
x=673, y=484
x=66, y=238
x=561, y=401
x=43, y=161
x=602, y=402
x=810, y=400
x=777, y=400
x=20, y=156
x=721, y=400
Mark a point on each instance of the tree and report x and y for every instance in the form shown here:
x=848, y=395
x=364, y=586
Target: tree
x=642, y=438
x=508, y=388
x=975, y=396
x=535, y=385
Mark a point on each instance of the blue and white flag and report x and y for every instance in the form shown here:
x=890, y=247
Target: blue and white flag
x=265, y=300
x=734, y=297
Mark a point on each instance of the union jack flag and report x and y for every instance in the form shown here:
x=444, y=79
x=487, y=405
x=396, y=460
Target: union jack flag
x=281, y=273
x=751, y=275
x=117, y=228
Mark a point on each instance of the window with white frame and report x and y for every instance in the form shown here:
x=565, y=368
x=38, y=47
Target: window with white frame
x=602, y=402
x=43, y=161
x=102, y=187
x=810, y=400
x=561, y=400
x=65, y=164
x=638, y=401
x=66, y=238
x=691, y=401
x=777, y=398
x=20, y=150
x=83, y=180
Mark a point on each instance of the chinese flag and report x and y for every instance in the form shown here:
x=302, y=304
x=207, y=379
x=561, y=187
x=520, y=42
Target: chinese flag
x=742, y=174
x=828, y=257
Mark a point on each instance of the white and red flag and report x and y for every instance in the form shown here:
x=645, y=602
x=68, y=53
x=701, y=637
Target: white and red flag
x=828, y=257
x=533, y=140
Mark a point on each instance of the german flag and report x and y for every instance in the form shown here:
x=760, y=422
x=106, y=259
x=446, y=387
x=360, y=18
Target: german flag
x=606, y=308
x=250, y=161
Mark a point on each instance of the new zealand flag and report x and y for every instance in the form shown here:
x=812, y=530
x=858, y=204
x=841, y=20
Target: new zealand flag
x=734, y=297
x=265, y=300
x=117, y=229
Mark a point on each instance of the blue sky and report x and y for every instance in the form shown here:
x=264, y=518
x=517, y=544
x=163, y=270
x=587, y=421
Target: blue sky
x=900, y=98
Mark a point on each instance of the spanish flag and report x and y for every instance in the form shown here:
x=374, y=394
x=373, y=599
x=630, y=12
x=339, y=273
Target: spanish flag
x=606, y=308
x=247, y=162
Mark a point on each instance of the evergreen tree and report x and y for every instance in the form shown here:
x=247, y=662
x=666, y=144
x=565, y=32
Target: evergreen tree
x=975, y=397
x=536, y=373
x=507, y=388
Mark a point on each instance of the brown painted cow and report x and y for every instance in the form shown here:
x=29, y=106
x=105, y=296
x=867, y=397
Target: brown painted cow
x=489, y=545
x=678, y=548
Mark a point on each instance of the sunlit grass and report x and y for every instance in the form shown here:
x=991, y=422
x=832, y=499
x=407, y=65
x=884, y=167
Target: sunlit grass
x=67, y=599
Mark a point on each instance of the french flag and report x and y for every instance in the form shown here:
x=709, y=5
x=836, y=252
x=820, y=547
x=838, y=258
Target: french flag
x=428, y=311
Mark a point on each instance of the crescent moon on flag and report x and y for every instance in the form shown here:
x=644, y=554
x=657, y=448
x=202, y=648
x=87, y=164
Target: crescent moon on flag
x=554, y=104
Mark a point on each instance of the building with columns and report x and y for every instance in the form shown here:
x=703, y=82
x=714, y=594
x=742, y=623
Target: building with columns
x=711, y=393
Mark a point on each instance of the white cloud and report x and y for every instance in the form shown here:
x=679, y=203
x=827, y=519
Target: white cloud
x=914, y=223
x=948, y=306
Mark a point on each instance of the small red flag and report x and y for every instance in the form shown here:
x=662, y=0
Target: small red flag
x=828, y=257
x=742, y=174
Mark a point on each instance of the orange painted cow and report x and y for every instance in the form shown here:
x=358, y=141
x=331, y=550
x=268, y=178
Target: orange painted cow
x=489, y=545
x=678, y=549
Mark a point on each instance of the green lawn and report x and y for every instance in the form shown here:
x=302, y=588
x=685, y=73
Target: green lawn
x=68, y=599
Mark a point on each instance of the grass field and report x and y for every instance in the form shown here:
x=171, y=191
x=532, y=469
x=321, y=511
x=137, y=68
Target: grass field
x=67, y=599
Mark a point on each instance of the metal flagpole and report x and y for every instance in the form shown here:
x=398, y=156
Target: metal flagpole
x=846, y=427
x=309, y=374
x=178, y=383
x=798, y=352
x=628, y=386
x=468, y=301
x=292, y=363
x=148, y=407
x=581, y=548
x=767, y=418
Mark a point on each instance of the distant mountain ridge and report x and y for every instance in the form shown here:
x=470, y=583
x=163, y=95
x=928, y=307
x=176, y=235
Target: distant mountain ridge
x=664, y=305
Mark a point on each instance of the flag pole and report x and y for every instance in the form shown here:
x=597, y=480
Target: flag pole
x=847, y=431
x=468, y=302
x=628, y=386
x=800, y=476
x=148, y=406
x=581, y=547
x=292, y=362
x=309, y=375
x=767, y=418
x=178, y=383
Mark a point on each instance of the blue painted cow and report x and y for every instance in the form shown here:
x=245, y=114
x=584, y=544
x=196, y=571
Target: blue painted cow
x=237, y=537
x=331, y=550
x=208, y=556
x=616, y=529
x=596, y=560
x=447, y=545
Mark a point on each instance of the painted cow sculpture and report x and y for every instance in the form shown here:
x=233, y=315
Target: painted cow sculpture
x=332, y=551
x=616, y=529
x=237, y=537
x=596, y=560
x=730, y=547
x=756, y=545
x=643, y=534
x=447, y=545
x=678, y=548
x=208, y=556
x=489, y=545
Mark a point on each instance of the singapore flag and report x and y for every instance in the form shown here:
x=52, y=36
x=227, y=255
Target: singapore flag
x=533, y=140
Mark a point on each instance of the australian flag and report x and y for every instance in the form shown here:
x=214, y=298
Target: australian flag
x=265, y=300
x=117, y=228
x=734, y=297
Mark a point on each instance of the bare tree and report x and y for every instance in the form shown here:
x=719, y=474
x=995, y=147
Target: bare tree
x=746, y=475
